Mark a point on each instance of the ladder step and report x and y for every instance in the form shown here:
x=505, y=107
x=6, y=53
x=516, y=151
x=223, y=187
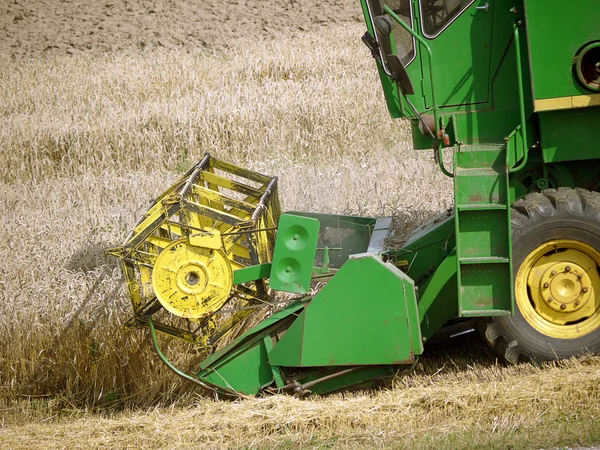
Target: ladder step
x=481, y=207
x=484, y=260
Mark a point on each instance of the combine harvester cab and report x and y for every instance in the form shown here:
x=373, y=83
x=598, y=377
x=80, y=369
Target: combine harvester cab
x=509, y=90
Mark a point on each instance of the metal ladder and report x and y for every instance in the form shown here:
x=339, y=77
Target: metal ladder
x=483, y=231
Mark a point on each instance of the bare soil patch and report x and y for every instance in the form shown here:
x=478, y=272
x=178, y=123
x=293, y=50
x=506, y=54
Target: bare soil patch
x=32, y=28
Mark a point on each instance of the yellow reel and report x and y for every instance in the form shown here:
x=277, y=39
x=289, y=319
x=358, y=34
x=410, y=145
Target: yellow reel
x=190, y=281
x=181, y=254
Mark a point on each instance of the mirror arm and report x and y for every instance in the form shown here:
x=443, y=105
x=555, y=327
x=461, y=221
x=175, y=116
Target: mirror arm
x=423, y=42
x=372, y=44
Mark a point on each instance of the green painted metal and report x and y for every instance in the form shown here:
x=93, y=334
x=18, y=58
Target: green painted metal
x=473, y=67
x=336, y=328
x=276, y=371
x=257, y=272
x=430, y=259
x=438, y=299
x=343, y=235
x=294, y=254
x=483, y=233
x=522, y=128
x=247, y=373
x=462, y=58
x=569, y=135
x=556, y=33
x=243, y=365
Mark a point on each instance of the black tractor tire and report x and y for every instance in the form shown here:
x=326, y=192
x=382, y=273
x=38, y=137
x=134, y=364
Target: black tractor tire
x=553, y=215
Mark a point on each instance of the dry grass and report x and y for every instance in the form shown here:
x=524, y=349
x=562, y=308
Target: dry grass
x=315, y=96
x=478, y=407
x=86, y=142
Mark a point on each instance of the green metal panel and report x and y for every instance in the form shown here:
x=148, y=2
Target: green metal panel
x=246, y=373
x=556, y=31
x=294, y=253
x=343, y=235
x=256, y=333
x=474, y=75
x=438, y=297
x=243, y=365
x=251, y=273
x=483, y=232
x=485, y=289
x=276, y=371
x=361, y=317
x=430, y=258
x=462, y=52
x=570, y=134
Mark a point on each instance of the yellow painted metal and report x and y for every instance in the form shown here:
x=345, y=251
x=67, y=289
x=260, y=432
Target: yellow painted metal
x=192, y=282
x=577, y=101
x=181, y=254
x=558, y=289
x=206, y=239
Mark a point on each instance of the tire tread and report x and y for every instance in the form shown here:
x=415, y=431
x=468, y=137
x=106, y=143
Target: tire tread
x=532, y=208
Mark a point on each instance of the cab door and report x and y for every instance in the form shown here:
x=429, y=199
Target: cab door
x=459, y=33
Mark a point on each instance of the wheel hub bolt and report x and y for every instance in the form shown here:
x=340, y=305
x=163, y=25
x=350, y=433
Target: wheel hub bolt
x=546, y=285
x=584, y=290
x=576, y=302
x=568, y=269
x=563, y=306
x=579, y=277
x=549, y=299
x=553, y=273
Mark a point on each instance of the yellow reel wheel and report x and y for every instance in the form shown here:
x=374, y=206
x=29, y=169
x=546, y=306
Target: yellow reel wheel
x=192, y=282
x=556, y=289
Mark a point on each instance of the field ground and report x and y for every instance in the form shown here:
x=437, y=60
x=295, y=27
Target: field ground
x=38, y=28
x=87, y=140
x=459, y=406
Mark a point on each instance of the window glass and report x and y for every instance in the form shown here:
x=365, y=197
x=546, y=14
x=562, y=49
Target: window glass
x=405, y=48
x=402, y=39
x=437, y=14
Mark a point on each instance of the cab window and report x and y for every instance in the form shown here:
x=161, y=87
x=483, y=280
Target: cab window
x=436, y=15
x=401, y=40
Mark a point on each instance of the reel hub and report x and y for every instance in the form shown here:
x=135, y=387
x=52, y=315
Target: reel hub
x=192, y=282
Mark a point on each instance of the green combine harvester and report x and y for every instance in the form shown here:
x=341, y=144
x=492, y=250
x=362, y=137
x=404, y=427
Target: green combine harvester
x=511, y=90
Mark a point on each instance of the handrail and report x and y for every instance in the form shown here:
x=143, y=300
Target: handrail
x=521, y=98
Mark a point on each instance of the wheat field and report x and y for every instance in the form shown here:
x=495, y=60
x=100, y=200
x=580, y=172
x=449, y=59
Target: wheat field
x=87, y=141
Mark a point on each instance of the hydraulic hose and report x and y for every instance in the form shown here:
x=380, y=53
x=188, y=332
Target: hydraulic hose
x=207, y=386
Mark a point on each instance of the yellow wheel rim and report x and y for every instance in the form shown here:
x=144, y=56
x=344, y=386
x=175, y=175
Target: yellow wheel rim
x=556, y=289
x=190, y=281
